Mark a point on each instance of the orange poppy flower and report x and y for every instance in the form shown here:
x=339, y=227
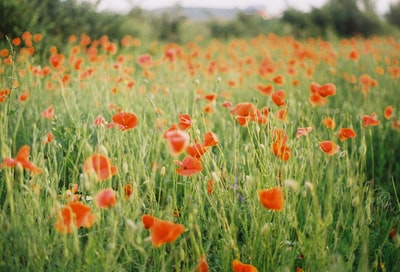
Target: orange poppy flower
x=124, y=121
x=23, y=96
x=317, y=100
x=388, y=112
x=148, y=221
x=210, y=186
x=128, y=191
x=189, y=166
x=370, y=120
x=303, y=131
x=281, y=151
x=329, y=147
x=238, y=266
x=178, y=140
x=106, y=198
x=242, y=120
x=101, y=166
x=49, y=137
x=328, y=123
x=22, y=159
x=48, y=113
x=74, y=214
x=162, y=232
x=328, y=89
x=278, y=98
x=210, y=139
x=281, y=114
x=278, y=79
x=4, y=93
x=197, y=150
x=202, y=266
x=211, y=97
x=346, y=133
x=185, y=122
x=265, y=90
x=4, y=53
x=244, y=109
x=226, y=104
x=272, y=199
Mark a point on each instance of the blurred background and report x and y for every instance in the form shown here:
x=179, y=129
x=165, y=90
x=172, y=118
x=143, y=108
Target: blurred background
x=186, y=20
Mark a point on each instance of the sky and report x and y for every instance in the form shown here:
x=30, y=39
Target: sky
x=272, y=7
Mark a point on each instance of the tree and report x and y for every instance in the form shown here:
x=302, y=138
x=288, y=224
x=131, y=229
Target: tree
x=393, y=15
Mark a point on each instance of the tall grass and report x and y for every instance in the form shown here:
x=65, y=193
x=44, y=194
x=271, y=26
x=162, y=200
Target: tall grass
x=339, y=211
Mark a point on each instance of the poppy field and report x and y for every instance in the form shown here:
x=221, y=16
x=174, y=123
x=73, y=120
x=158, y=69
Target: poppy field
x=265, y=154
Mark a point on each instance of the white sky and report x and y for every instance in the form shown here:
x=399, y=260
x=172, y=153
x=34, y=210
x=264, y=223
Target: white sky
x=272, y=6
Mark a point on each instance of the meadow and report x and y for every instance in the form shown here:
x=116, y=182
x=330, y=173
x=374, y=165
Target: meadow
x=264, y=154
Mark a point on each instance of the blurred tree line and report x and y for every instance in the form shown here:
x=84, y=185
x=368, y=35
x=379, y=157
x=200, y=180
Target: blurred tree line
x=58, y=19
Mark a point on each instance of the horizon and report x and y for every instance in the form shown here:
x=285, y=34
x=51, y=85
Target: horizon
x=272, y=8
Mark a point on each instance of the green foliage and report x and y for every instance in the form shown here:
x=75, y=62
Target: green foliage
x=393, y=15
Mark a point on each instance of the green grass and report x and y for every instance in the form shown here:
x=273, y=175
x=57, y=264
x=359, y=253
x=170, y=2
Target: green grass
x=338, y=210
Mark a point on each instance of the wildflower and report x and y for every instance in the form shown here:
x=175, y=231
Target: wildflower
x=244, y=109
x=23, y=96
x=99, y=121
x=238, y=266
x=210, y=139
x=189, y=166
x=265, y=90
x=128, y=191
x=101, y=166
x=388, y=112
x=272, y=199
x=178, y=140
x=346, y=133
x=48, y=113
x=106, y=198
x=210, y=186
x=197, y=150
x=281, y=114
x=124, y=121
x=328, y=89
x=278, y=79
x=278, y=98
x=22, y=159
x=328, y=123
x=145, y=60
x=4, y=93
x=74, y=214
x=211, y=97
x=329, y=147
x=49, y=137
x=303, y=131
x=162, y=232
x=202, y=266
x=282, y=151
x=370, y=120
x=185, y=122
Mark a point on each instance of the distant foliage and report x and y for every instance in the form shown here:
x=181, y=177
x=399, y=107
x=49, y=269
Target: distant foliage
x=393, y=15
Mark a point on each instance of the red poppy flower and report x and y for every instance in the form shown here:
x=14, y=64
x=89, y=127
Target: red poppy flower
x=329, y=147
x=202, y=266
x=281, y=151
x=22, y=159
x=346, y=133
x=303, y=131
x=278, y=79
x=238, y=266
x=48, y=113
x=101, y=166
x=210, y=139
x=74, y=214
x=388, y=112
x=197, y=150
x=128, y=191
x=272, y=199
x=23, y=96
x=370, y=120
x=265, y=90
x=278, y=98
x=328, y=123
x=189, y=166
x=185, y=122
x=124, y=121
x=178, y=140
x=244, y=109
x=162, y=232
x=328, y=89
x=106, y=198
x=99, y=121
